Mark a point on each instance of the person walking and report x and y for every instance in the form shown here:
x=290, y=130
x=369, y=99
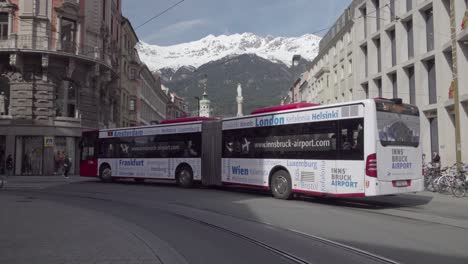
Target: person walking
x=66, y=166
x=9, y=165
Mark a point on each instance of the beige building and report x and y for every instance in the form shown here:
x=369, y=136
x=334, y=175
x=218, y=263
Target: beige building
x=56, y=78
x=130, y=65
x=152, y=100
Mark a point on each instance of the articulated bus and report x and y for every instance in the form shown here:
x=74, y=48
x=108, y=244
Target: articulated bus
x=356, y=149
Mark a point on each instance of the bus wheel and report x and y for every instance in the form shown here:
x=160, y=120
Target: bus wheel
x=280, y=185
x=184, y=177
x=106, y=174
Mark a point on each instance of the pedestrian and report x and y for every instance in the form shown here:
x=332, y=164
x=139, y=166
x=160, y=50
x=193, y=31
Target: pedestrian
x=66, y=166
x=9, y=165
x=436, y=160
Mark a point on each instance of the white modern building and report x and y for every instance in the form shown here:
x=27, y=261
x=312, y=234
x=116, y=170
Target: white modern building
x=398, y=48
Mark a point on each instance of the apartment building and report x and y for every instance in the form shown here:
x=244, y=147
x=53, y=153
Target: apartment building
x=152, y=101
x=331, y=78
x=399, y=48
x=130, y=65
x=56, y=72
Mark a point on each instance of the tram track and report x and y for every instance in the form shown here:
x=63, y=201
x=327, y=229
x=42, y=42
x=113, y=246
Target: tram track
x=288, y=256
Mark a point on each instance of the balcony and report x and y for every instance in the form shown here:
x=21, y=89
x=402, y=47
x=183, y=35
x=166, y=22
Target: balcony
x=44, y=43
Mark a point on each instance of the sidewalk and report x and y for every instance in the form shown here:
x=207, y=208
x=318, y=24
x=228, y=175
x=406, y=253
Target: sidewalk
x=39, y=182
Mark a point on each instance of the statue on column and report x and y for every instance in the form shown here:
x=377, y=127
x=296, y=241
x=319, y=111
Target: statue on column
x=240, y=100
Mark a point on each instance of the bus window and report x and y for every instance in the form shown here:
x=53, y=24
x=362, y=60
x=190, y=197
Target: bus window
x=351, y=139
x=295, y=141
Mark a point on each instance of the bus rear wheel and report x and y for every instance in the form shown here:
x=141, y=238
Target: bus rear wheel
x=184, y=177
x=281, y=186
x=106, y=174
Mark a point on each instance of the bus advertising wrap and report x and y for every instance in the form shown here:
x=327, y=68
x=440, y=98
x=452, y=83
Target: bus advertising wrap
x=296, y=117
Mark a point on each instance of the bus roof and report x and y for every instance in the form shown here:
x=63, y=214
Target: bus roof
x=282, y=108
x=187, y=120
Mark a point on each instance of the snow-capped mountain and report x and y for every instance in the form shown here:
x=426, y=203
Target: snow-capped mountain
x=210, y=48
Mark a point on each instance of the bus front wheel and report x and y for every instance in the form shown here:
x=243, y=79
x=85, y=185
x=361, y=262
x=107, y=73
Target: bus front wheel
x=106, y=174
x=280, y=185
x=184, y=177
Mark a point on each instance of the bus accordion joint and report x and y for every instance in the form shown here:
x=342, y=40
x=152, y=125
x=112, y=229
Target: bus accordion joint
x=371, y=165
x=187, y=120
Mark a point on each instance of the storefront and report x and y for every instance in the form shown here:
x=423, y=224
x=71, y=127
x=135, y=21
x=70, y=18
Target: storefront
x=43, y=155
x=39, y=151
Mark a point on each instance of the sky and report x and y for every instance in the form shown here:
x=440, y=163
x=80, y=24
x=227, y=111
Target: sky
x=194, y=19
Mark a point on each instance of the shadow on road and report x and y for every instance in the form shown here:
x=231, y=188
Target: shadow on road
x=375, y=203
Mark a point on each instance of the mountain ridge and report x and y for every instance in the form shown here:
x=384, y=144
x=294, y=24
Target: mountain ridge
x=211, y=48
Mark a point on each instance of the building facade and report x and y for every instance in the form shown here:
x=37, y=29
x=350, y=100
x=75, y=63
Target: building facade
x=54, y=78
x=152, y=101
x=176, y=106
x=331, y=77
x=401, y=49
x=130, y=65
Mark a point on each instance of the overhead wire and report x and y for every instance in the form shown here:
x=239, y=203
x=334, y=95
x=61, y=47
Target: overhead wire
x=159, y=14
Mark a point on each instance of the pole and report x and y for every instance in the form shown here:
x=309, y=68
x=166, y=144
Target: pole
x=456, y=99
x=198, y=105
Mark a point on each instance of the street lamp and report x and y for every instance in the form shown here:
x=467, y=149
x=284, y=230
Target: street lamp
x=198, y=105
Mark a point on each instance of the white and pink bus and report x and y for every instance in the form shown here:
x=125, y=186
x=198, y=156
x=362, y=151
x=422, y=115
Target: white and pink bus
x=356, y=149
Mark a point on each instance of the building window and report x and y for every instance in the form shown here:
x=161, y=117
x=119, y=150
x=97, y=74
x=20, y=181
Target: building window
x=434, y=131
x=365, y=88
x=393, y=81
x=429, y=29
x=104, y=10
x=392, y=10
x=3, y=26
x=364, y=20
x=350, y=67
x=67, y=35
x=412, y=85
x=391, y=35
x=131, y=105
x=409, y=5
x=409, y=30
x=378, y=85
x=431, y=77
x=132, y=74
x=342, y=72
x=366, y=63
x=377, y=13
x=379, y=55
x=66, y=99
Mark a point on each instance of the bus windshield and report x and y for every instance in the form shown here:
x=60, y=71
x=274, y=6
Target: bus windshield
x=398, y=124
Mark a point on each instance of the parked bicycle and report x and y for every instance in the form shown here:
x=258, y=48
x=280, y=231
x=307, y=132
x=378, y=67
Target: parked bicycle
x=460, y=183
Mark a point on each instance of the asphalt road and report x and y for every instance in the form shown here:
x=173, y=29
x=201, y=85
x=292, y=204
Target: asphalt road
x=94, y=222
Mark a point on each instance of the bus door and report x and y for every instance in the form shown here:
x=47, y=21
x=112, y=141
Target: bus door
x=399, y=155
x=88, y=154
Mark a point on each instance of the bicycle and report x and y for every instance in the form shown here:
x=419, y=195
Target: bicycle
x=460, y=184
x=431, y=173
